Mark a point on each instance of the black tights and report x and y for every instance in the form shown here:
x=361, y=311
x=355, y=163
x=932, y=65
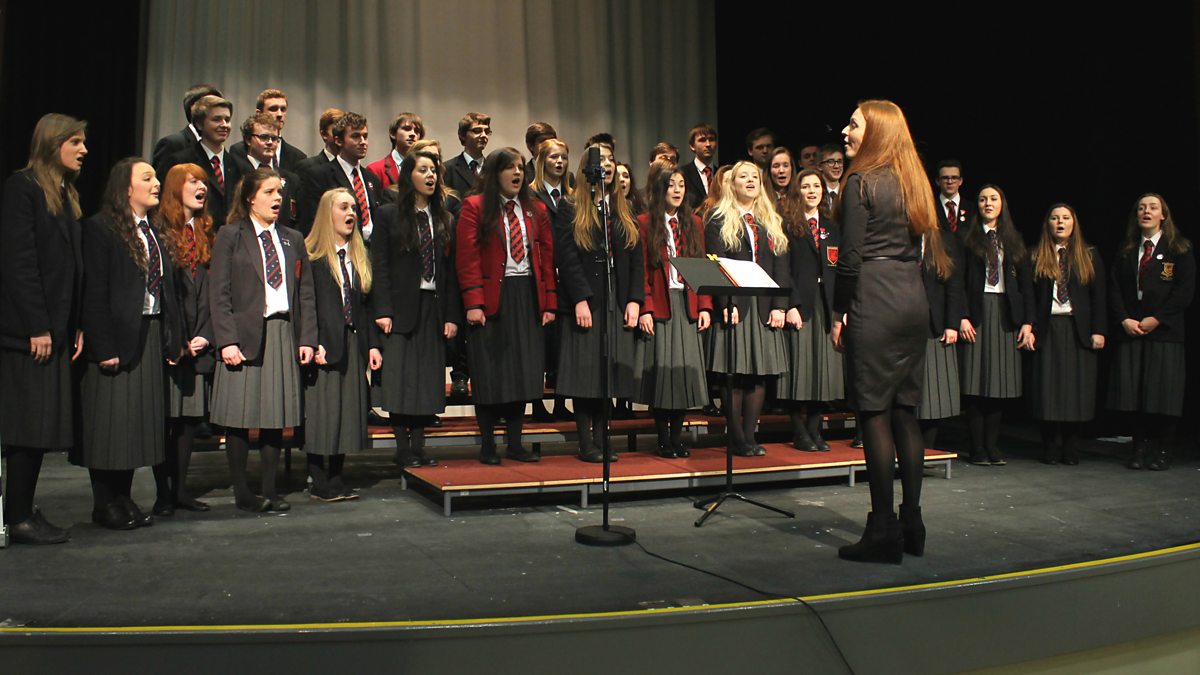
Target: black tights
x=110, y=485
x=590, y=418
x=743, y=399
x=20, y=475
x=983, y=419
x=669, y=425
x=1149, y=426
x=806, y=417
x=514, y=419
x=237, y=449
x=325, y=470
x=890, y=436
x=170, y=477
x=410, y=433
x=929, y=432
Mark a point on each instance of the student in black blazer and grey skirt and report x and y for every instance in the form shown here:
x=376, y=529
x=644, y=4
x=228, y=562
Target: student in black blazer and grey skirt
x=41, y=281
x=748, y=344
x=1151, y=285
x=265, y=326
x=131, y=319
x=941, y=394
x=1070, y=326
x=999, y=321
x=335, y=392
x=415, y=301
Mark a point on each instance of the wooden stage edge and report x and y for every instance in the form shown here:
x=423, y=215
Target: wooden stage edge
x=638, y=472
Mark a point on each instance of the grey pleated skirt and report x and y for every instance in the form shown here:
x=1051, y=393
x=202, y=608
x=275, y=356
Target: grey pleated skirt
x=413, y=376
x=814, y=367
x=335, y=404
x=1064, y=375
x=941, y=391
x=1148, y=377
x=579, y=354
x=188, y=390
x=885, y=336
x=748, y=348
x=506, y=355
x=37, y=407
x=670, y=363
x=264, y=393
x=991, y=366
x=123, y=413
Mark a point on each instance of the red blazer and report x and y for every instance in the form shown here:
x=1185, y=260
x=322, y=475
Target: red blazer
x=386, y=170
x=481, y=267
x=657, y=302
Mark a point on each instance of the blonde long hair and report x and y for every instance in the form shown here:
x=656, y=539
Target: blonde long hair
x=763, y=210
x=1079, y=256
x=52, y=130
x=587, y=218
x=321, y=242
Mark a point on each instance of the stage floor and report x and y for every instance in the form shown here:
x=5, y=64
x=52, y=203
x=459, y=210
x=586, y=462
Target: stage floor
x=392, y=556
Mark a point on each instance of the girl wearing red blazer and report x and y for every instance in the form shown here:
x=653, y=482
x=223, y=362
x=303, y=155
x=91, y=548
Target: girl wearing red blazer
x=670, y=354
x=504, y=255
x=41, y=282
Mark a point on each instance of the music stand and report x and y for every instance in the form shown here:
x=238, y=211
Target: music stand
x=3, y=525
x=705, y=276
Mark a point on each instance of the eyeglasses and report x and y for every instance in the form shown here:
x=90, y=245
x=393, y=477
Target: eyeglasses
x=267, y=138
x=834, y=162
x=950, y=179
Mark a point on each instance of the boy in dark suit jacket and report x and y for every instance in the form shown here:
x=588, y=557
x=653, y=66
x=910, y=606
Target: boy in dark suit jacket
x=182, y=139
x=274, y=103
x=211, y=116
x=698, y=173
x=405, y=130
x=474, y=131
x=346, y=170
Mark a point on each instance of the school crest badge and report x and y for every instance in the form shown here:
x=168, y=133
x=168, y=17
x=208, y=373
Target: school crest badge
x=831, y=254
x=1168, y=271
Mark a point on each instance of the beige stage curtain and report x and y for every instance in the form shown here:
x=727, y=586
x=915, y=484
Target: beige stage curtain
x=643, y=70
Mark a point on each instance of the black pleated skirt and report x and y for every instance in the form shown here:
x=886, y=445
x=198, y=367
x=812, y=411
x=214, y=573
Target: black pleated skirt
x=991, y=366
x=506, y=355
x=37, y=406
x=335, y=404
x=188, y=390
x=412, y=380
x=123, y=412
x=265, y=393
x=1148, y=377
x=815, y=371
x=941, y=391
x=1064, y=375
x=579, y=355
x=670, y=363
x=886, y=333
x=748, y=348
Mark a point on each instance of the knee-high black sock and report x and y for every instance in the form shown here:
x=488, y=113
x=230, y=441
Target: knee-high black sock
x=1050, y=439
x=514, y=417
x=123, y=483
x=929, y=432
x=20, y=477
x=676, y=419
x=104, y=488
x=910, y=453
x=237, y=450
x=336, y=466
x=879, y=449
x=165, y=472
x=401, y=424
x=974, y=405
x=317, y=471
x=752, y=406
x=662, y=425
x=600, y=423
x=1070, y=440
x=812, y=421
x=584, y=412
x=183, y=458
x=731, y=401
x=799, y=417
x=486, y=416
x=994, y=410
x=270, y=440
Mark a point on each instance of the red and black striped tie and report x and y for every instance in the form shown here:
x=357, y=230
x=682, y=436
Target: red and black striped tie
x=271, y=260
x=993, y=259
x=217, y=173
x=516, y=239
x=1144, y=263
x=815, y=231
x=426, y=246
x=360, y=195
x=347, y=307
x=1063, y=294
x=752, y=229
x=154, y=263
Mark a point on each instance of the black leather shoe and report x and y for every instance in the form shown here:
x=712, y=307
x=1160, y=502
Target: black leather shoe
x=712, y=411
x=856, y=443
x=278, y=504
x=37, y=530
x=821, y=444
x=163, y=509
x=253, y=505
x=426, y=460
x=488, y=456
x=681, y=451
x=189, y=504
x=979, y=458
x=665, y=452
x=326, y=494
x=759, y=451
x=742, y=450
x=114, y=517
x=522, y=454
x=592, y=456
x=135, y=512
x=458, y=386
x=435, y=422
x=995, y=458
x=612, y=456
x=410, y=462
x=882, y=541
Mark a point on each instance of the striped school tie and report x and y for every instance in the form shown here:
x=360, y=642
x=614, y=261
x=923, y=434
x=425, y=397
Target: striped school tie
x=271, y=260
x=360, y=195
x=154, y=263
x=347, y=308
x=426, y=246
x=516, y=240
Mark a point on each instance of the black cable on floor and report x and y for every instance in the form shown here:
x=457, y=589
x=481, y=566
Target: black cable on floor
x=802, y=601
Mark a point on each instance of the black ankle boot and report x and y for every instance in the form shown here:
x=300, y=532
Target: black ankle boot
x=914, y=530
x=882, y=541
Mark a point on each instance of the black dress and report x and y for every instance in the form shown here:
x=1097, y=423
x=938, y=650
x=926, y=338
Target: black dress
x=880, y=290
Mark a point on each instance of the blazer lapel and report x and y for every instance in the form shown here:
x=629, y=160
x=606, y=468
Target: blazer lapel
x=252, y=250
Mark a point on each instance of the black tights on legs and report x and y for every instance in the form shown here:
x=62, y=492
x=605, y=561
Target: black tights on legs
x=20, y=477
x=237, y=450
x=743, y=399
x=270, y=442
x=983, y=418
x=888, y=436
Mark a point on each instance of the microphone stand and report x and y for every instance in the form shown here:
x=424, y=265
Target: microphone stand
x=606, y=534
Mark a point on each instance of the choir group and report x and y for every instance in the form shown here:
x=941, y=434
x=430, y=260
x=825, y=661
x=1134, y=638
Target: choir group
x=254, y=288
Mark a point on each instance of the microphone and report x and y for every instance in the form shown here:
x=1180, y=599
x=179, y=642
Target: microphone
x=592, y=170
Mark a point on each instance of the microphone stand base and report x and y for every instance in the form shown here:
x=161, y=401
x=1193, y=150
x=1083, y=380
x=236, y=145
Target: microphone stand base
x=598, y=535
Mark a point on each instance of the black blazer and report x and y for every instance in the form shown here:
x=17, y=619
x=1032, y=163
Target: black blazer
x=289, y=155
x=328, y=176
x=41, y=268
x=458, y=175
x=195, y=314
x=778, y=266
x=396, y=277
x=808, y=263
x=310, y=163
x=1087, y=303
x=114, y=295
x=1166, y=292
x=169, y=145
x=941, y=212
x=694, y=183
x=947, y=298
x=218, y=199
x=581, y=273
x=331, y=323
x=1018, y=288
x=236, y=295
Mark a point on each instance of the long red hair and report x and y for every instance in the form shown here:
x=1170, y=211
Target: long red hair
x=172, y=218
